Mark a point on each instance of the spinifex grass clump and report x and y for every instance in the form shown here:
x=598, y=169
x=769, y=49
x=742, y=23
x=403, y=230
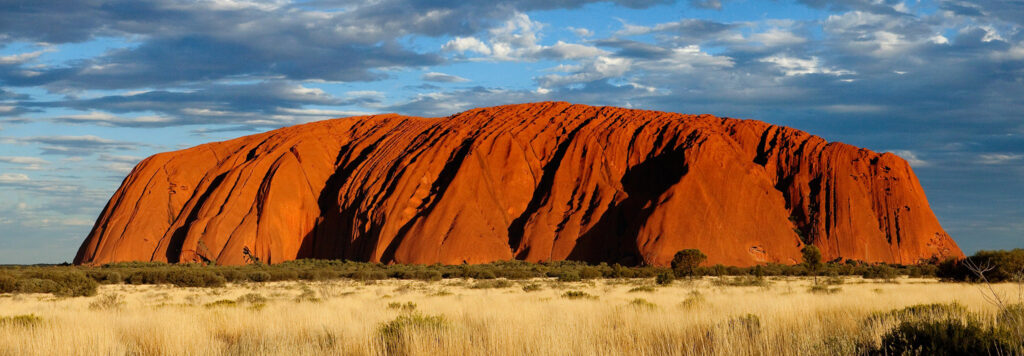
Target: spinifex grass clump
x=21, y=321
x=107, y=302
x=575, y=294
x=395, y=335
x=642, y=304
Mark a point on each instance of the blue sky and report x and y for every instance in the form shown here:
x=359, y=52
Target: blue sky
x=90, y=87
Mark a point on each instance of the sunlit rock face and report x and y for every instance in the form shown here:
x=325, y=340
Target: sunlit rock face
x=537, y=182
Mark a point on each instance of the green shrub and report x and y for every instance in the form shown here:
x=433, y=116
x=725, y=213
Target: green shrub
x=316, y=275
x=741, y=281
x=590, y=273
x=923, y=312
x=62, y=283
x=685, y=262
x=493, y=283
x=641, y=289
x=259, y=276
x=1006, y=266
x=570, y=276
x=823, y=289
x=532, y=287
x=428, y=275
x=407, y=306
x=575, y=294
x=8, y=284
x=480, y=273
x=881, y=271
x=365, y=275
x=192, y=277
x=287, y=274
x=36, y=285
x=223, y=303
x=104, y=276
x=664, y=279
x=233, y=275
x=252, y=298
x=135, y=264
x=947, y=337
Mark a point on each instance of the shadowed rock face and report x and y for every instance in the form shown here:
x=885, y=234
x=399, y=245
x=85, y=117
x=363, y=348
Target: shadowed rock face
x=538, y=182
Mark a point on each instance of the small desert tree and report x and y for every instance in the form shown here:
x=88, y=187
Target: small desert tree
x=812, y=258
x=686, y=261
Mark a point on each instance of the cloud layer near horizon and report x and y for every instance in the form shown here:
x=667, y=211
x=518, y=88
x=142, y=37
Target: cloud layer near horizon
x=90, y=87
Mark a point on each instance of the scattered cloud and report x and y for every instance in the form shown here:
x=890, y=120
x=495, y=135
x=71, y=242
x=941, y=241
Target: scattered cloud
x=911, y=158
x=941, y=79
x=442, y=78
x=67, y=145
x=798, y=66
x=999, y=158
x=707, y=4
x=25, y=163
x=10, y=178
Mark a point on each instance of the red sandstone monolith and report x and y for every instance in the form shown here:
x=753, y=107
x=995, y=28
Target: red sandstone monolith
x=537, y=182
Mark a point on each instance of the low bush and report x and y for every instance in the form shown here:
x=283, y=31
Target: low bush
x=575, y=294
x=532, y=287
x=646, y=289
x=741, y=281
x=252, y=298
x=407, y=306
x=947, y=329
x=78, y=280
x=948, y=337
x=192, y=277
x=922, y=312
x=570, y=276
x=884, y=272
x=393, y=334
x=493, y=283
x=59, y=282
x=641, y=303
x=1005, y=266
x=105, y=276
x=664, y=278
x=259, y=276
x=8, y=284
x=223, y=303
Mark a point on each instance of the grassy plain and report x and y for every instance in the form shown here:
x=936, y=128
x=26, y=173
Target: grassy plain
x=540, y=316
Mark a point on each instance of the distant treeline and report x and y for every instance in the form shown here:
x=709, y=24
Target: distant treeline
x=83, y=281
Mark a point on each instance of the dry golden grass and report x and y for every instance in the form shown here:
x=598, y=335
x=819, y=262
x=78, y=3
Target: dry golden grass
x=347, y=317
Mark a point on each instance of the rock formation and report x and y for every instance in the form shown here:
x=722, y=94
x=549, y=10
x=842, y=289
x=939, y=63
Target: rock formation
x=537, y=182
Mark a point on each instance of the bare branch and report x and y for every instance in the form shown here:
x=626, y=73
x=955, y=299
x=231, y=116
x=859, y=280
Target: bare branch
x=991, y=295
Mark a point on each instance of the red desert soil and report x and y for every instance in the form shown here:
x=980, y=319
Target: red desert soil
x=538, y=182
